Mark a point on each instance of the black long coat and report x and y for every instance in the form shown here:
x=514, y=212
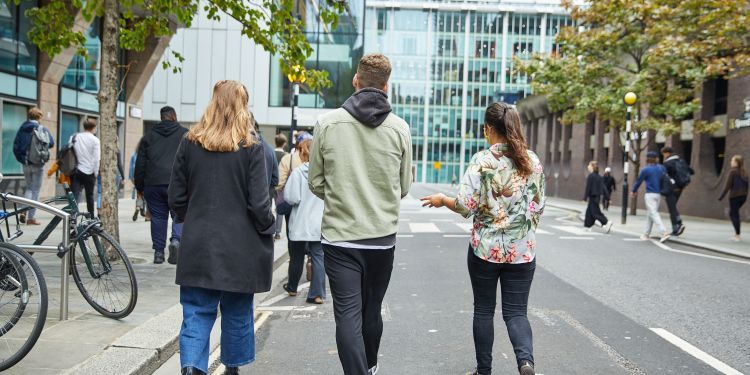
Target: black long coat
x=222, y=197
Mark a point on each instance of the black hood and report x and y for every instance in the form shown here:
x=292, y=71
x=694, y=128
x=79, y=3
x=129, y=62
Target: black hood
x=167, y=128
x=370, y=106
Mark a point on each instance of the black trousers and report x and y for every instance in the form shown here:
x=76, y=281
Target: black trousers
x=594, y=213
x=674, y=215
x=359, y=280
x=297, y=250
x=734, y=211
x=88, y=183
x=515, y=284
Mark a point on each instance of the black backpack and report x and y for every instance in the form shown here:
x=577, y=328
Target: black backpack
x=682, y=174
x=67, y=161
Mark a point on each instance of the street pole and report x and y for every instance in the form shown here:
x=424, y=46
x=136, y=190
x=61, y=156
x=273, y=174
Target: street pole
x=295, y=102
x=626, y=168
x=629, y=99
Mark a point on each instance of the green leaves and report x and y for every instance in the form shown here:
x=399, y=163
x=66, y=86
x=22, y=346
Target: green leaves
x=661, y=49
x=272, y=24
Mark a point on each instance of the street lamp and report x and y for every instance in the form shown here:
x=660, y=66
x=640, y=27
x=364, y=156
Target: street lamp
x=296, y=76
x=629, y=99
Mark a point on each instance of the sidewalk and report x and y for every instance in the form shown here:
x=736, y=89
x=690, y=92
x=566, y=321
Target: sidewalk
x=707, y=234
x=88, y=343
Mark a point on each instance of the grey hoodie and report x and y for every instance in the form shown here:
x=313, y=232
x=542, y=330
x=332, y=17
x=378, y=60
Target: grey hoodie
x=369, y=106
x=307, y=211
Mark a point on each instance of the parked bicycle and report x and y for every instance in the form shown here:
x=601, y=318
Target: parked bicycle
x=100, y=268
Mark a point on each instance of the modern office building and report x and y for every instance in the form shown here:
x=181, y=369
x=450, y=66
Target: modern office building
x=63, y=87
x=450, y=60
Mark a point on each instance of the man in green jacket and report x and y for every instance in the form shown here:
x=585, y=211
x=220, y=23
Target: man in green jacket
x=360, y=165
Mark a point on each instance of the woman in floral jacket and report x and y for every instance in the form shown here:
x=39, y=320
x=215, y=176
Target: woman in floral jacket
x=503, y=189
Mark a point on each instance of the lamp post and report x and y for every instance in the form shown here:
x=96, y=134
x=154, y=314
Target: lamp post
x=296, y=76
x=629, y=99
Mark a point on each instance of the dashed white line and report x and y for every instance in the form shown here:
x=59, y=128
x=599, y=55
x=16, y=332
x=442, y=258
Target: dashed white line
x=695, y=352
x=456, y=236
x=575, y=238
x=423, y=228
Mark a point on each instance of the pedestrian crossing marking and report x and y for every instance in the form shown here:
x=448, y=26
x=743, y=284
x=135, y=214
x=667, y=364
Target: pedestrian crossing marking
x=423, y=228
x=466, y=227
x=575, y=238
x=542, y=231
x=579, y=231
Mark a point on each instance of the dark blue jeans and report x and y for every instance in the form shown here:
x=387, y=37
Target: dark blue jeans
x=156, y=199
x=515, y=283
x=199, y=307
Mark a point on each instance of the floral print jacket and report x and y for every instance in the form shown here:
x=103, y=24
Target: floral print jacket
x=505, y=205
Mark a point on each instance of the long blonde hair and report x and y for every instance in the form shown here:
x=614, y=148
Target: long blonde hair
x=227, y=124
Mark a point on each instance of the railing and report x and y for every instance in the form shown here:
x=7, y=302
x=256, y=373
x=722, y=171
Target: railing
x=62, y=250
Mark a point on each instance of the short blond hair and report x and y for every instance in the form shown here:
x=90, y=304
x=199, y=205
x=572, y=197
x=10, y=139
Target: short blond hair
x=35, y=114
x=226, y=125
x=374, y=70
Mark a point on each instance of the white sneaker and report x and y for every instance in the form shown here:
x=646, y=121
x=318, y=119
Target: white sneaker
x=373, y=370
x=665, y=237
x=645, y=237
x=608, y=227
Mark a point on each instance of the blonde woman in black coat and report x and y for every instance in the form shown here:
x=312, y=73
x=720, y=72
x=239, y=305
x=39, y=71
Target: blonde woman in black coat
x=219, y=172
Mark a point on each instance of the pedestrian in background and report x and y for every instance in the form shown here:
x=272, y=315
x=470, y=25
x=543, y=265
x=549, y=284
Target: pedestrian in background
x=609, y=187
x=679, y=173
x=278, y=196
x=652, y=175
x=737, y=186
x=504, y=190
x=31, y=148
x=595, y=192
x=360, y=166
x=304, y=229
x=220, y=172
x=272, y=167
x=153, y=168
x=88, y=155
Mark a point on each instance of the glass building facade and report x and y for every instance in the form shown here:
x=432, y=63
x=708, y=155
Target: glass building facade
x=335, y=51
x=18, y=56
x=449, y=64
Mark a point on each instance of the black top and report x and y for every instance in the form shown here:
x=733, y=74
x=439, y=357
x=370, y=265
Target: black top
x=594, y=186
x=156, y=151
x=736, y=184
x=227, y=238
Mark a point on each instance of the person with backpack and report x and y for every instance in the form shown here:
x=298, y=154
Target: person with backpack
x=31, y=148
x=737, y=187
x=679, y=173
x=153, y=168
x=87, y=150
x=652, y=175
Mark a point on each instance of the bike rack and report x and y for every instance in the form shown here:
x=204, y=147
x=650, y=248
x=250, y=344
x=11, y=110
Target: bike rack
x=65, y=267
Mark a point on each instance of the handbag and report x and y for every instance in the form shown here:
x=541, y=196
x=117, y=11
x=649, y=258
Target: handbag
x=282, y=207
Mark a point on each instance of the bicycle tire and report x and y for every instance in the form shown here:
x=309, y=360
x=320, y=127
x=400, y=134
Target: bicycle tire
x=11, y=270
x=93, y=294
x=29, y=270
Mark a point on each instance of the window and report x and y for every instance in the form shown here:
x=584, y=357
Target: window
x=13, y=116
x=18, y=56
x=721, y=92
x=382, y=20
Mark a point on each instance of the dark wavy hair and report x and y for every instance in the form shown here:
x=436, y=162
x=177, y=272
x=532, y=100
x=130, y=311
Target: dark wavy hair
x=505, y=120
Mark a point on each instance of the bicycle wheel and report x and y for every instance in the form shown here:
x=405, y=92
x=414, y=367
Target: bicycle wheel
x=23, y=307
x=107, y=283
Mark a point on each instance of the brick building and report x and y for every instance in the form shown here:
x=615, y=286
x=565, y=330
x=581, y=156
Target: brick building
x=566, y=150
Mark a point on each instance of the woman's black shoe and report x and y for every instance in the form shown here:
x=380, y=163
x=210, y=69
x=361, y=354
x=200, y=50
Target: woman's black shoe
x=526, y=368
x=189, y=370
x=232, y=371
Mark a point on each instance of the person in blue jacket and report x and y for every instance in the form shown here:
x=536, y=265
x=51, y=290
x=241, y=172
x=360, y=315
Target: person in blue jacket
x=33, y=166
x=652, y=175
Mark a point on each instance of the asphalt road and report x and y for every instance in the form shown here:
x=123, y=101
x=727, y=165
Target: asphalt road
x=599, y=304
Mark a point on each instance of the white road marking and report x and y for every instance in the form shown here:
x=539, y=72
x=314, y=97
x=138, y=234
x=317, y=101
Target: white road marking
x=579, y=231
x=273, y=300
x=638, y=239
x=214, y=357
x=542, y=231
x=404, y=235
x=442, y=220
x=423, y=228
x=456, y=236
x=287, y=308
x=695, y=352
x=404, y=219
x=667, y=248
x=466, y=227
x=575, y=238
x=660, y=245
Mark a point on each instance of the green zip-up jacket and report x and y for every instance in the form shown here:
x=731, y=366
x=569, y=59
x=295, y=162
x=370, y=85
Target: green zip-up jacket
x=361, y=170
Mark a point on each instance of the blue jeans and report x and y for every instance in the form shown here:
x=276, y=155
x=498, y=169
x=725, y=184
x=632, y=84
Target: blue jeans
x=199, y=307
x=156, y=199
x=515, y=283
x=33, y=175
x=297, y=262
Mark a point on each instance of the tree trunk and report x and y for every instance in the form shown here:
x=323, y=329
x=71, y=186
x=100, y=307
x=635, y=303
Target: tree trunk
x=108, y=92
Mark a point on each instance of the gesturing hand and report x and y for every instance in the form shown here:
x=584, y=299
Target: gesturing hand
x=435, y=200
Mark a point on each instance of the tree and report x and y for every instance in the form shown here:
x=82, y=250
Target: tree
x=663, y=50
x=128, y=24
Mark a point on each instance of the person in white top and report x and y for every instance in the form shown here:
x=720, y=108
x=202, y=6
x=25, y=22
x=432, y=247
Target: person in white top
x=88, y=154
